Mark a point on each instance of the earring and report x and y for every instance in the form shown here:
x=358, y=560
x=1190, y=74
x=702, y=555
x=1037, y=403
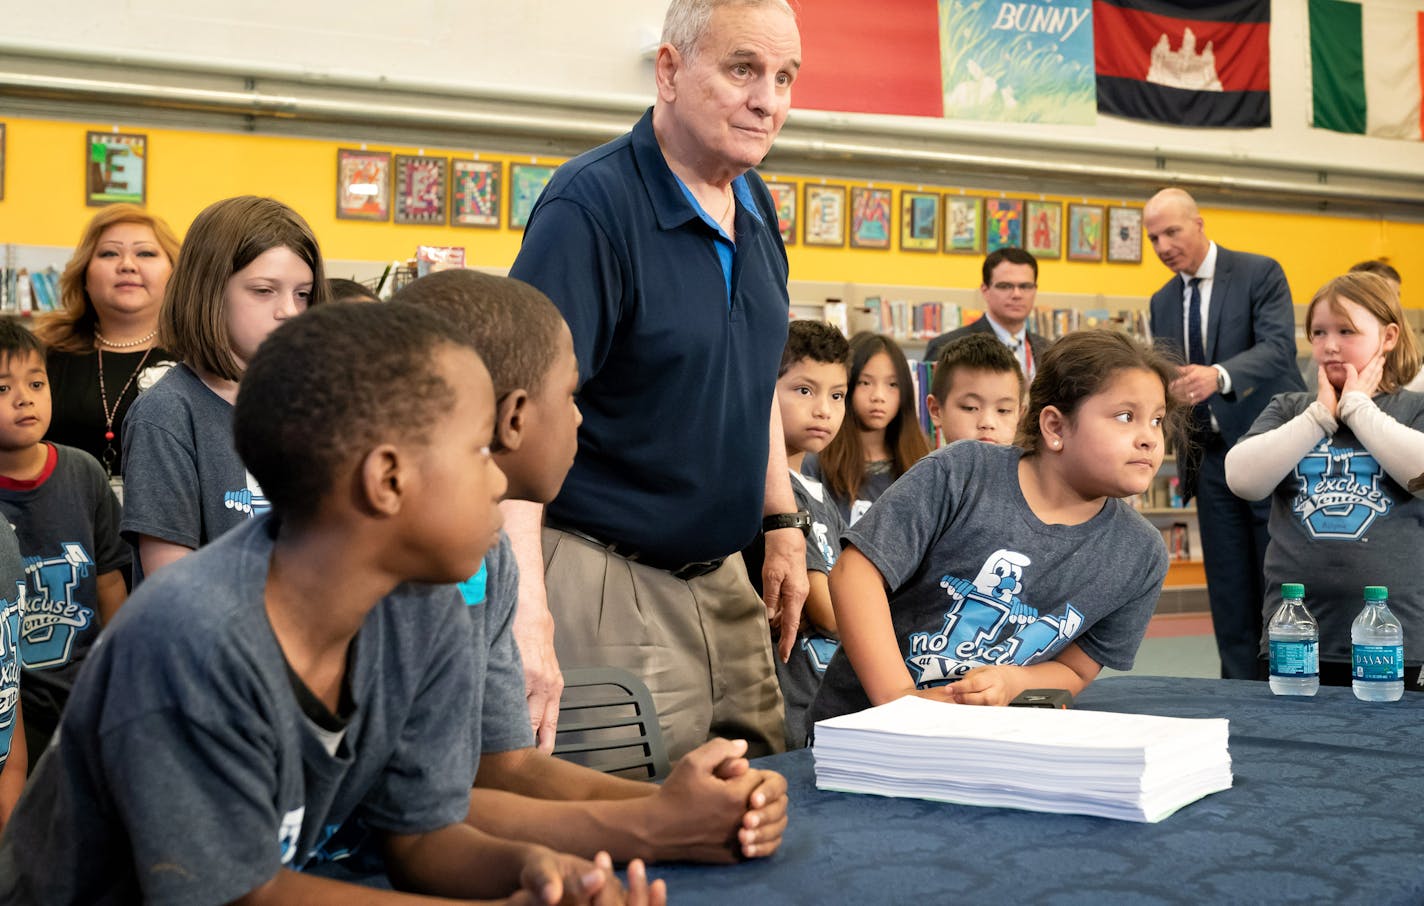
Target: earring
x=1054, y=444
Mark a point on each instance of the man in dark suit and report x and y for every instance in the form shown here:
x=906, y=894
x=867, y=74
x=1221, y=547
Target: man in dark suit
x=1228, y=315
x=1009, y=288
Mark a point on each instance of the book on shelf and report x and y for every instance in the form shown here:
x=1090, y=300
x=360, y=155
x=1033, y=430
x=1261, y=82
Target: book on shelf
x=1178, y=541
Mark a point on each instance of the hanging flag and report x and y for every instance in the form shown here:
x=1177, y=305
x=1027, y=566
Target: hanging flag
x=1197, y=64
x=1365, y=69
x=1029, y=61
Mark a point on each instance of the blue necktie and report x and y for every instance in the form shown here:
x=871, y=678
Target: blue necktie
x=1196, y=354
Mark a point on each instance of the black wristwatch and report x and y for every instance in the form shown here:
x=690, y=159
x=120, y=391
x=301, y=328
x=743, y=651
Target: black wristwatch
x=798, y=520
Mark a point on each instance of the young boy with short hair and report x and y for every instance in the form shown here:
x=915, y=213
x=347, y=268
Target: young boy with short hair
x=309, y=668
x=977, y=391
x=811, y=390
x=66, y=519
x=13, y=757
x=712, y=807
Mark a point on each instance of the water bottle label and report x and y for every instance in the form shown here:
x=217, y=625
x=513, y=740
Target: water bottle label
x=1295, y=659
x=1378, y=663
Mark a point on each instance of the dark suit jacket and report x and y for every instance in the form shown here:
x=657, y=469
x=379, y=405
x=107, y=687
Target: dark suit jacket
x=1250, y=332
x=1036, y=343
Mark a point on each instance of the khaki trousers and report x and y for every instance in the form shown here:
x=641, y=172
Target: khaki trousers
x=701, y=646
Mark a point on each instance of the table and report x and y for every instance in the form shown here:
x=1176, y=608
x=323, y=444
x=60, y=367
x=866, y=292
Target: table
x=1327, y=807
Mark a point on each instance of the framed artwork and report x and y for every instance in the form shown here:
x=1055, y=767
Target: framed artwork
x=1003, y=223
x=1125, y=235
x=825, y=216
x=117, y=165
x=919, y=221
x=1085, y=232
x=870, y=218
x=363, y=185
x=1043, y=221
x=784, y=195
x=474, y=195
x=963, y=224
x=420, y=191
x=526, y=181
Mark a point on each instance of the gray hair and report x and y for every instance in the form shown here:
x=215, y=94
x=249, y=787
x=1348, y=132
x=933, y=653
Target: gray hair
x=686, y=20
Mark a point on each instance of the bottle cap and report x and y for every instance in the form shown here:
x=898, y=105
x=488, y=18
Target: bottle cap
x=1292, y=590
x=1376, y=593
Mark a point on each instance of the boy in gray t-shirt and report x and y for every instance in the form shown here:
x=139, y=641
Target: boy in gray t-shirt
x=811, y=393
x=308, y=670
x=66, y=519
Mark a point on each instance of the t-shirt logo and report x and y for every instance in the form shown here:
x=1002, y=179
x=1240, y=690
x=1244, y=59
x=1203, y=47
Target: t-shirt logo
x=289, y=832
x=250, y=500
x=52, y=618
x=988, y=623
x=1339, y=496
x=822, y=536
x=10, y=611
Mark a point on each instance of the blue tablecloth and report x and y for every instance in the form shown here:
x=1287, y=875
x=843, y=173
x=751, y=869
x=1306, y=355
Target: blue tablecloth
x=1326, y=808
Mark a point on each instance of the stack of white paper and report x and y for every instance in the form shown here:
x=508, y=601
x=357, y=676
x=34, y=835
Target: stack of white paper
x=1130, y=766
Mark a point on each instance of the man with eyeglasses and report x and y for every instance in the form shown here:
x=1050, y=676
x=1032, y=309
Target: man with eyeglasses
x=1009, y=289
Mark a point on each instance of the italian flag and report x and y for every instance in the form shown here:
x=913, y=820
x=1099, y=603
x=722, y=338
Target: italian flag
x=1365, y=68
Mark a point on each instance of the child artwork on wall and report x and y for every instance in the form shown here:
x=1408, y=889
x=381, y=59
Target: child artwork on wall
x=1003, y=223
x=526, y=181
x=363, y=185
x=474, y=201
x=870, y=218
x=420, y=189
x=825, y=215
x=116, y=168
x=1125, y=235
x=783, y=194
x=1044, y=222
x=964, y=224
x=919, y=221
x=1085, y=232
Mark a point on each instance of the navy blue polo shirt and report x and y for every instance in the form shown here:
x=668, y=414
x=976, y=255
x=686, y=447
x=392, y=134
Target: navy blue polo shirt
x=677, y=382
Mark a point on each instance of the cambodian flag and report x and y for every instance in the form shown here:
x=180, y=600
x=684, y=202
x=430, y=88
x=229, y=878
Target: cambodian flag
x=1187, y=63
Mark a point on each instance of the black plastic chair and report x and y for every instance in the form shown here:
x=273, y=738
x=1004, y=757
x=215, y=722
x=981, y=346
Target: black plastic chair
x=607, y=722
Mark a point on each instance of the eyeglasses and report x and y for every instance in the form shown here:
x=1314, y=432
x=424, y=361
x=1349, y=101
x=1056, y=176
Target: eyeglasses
x=1010, y=287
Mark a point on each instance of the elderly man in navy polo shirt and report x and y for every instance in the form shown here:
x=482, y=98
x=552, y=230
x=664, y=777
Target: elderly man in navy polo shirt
x=662, y=251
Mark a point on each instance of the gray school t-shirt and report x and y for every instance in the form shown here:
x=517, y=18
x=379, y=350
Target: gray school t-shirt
x=878, y=476
x=976, y=578
x=68, y=529
x=185, y=771
x=800, y=676
x=12, y=598
x=183, y=480
x=504, y=716
x=1339, y=522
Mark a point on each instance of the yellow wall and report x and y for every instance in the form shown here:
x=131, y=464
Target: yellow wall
x=44, y=205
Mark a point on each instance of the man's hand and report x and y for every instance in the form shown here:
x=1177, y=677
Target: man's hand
x=556, y=879
x=784, y=584
x=1194, y=384
x=543, y=682
x=533, y=624
x=714, y=808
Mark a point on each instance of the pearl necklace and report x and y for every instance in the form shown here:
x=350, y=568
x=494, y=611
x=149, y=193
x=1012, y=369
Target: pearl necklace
x=129, y=345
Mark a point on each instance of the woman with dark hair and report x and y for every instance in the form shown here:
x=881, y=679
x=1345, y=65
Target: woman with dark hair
x=102, y=343
x=882, y=438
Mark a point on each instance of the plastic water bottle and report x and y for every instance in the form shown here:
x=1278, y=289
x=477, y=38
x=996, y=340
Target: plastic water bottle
x=1295, y=645
x=1377, y=650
